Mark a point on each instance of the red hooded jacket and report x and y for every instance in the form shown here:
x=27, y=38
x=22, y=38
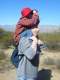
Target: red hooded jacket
x=24, y=23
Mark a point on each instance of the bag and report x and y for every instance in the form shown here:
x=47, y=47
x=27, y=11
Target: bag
x=15, y=58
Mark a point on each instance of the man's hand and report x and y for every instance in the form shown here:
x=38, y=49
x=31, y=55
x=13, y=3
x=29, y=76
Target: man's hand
x=40, y=42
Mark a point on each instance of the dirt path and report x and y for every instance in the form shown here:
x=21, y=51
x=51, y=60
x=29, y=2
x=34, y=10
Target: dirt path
x=8, y=75
x=11, y=74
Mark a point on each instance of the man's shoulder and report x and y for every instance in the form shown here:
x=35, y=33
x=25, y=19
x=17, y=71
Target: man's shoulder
x=25, y=41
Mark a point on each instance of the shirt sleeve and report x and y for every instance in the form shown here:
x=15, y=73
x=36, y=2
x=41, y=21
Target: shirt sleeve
x=30, y=22
x=26, y=48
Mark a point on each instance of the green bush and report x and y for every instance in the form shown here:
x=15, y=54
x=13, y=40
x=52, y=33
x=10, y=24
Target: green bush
x=6, y=39
x=57, y=63
x=52, y=40
x=53, y=46
x=49, y=61
x=2, y=55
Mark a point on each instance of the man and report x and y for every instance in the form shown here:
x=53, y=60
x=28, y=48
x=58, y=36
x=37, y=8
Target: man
x=28, y=20
x=29, y=48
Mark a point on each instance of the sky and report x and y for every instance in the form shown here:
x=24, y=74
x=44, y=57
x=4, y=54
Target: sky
x=49, y=11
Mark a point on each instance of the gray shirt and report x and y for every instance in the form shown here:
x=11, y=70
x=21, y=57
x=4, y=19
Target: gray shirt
x=28, y=66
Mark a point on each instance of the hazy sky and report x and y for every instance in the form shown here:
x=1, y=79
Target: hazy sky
x=49, y=10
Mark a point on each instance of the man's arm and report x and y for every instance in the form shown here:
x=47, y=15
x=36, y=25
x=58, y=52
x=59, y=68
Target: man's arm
x=28, y=48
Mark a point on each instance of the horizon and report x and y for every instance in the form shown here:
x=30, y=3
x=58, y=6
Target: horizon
x=43, y=28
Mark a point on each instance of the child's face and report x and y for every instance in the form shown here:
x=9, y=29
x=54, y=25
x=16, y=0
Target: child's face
x=35, y=31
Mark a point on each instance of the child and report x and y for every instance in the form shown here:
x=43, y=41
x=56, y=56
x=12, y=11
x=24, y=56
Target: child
x=29, y=47
x=29, y=19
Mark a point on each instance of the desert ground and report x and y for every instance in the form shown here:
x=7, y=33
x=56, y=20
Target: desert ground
x=46, y=71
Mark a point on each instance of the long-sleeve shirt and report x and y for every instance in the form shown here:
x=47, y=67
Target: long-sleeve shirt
x=24, y=23
x=28, y=65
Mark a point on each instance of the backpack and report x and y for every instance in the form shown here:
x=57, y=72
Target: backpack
x=15, y=58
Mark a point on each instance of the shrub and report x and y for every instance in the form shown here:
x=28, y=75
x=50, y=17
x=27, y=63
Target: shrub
x=6, y=39
x=57, y=63
x=52, y=40
x=2, y=55
x=49, y=61
x=53, y=45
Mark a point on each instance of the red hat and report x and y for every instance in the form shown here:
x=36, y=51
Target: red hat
x=25, y=12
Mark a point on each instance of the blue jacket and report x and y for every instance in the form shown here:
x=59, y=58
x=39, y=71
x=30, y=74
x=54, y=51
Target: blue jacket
x=28, y=65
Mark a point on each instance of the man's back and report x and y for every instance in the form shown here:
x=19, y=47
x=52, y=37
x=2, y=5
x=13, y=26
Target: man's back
x=29, y=63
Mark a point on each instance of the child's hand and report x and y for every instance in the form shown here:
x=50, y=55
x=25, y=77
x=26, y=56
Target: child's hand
x=35, y=12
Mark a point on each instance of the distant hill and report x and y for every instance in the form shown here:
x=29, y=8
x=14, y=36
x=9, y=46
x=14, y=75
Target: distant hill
x=43, y=28
x=49, y=28
x=8, y=27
